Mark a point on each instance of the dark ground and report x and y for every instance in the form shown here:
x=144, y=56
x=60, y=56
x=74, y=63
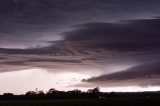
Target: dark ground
x=77, y=98
x=117, y=101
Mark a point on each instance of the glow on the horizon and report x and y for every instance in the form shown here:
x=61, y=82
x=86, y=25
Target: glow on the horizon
x=25, y=80
x=130, y=89
x=19, y=82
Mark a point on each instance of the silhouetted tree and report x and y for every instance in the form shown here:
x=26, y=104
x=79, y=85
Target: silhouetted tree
x=75, y=91
x=30, y=93
x=52, y=91
x=94, y=90
x=41, y=92
x=8, y=94
x=89, y=90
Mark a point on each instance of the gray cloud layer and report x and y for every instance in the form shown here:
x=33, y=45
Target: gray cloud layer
x=142, y=75
x=136, y=35
x=93, y=45
x=31, y=22
x=97, y=40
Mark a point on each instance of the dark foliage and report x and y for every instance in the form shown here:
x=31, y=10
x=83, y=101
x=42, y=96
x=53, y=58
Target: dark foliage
x=93, y=97
x=53, y=94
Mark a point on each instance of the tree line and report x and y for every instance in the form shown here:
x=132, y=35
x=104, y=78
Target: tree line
x=53, y=94
x=77, y=94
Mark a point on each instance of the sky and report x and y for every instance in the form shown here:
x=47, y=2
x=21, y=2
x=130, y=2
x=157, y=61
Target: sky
x=79, y=44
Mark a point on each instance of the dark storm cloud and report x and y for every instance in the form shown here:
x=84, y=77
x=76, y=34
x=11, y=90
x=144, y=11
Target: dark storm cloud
x=94, y=43
x=141, y=75
x=25, y=62
x=55, y=60
x=137, y=35
x=27, y=23
x=20, y=62
x=102, y=44
x=14, y=63
x=37, y=51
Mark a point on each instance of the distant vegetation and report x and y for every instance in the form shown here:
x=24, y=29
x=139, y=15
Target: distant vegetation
x=53, y=94
x=93, y=97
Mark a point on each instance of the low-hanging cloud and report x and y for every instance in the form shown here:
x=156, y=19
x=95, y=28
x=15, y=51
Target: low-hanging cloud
x=142, y=75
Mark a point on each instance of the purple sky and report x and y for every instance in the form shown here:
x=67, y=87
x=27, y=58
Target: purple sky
x=68, y=44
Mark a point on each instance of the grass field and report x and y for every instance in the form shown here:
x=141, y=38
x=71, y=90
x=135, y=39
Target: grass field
x=85, y=102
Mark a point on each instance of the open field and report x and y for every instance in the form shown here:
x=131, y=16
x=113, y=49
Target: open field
x=85, y=102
